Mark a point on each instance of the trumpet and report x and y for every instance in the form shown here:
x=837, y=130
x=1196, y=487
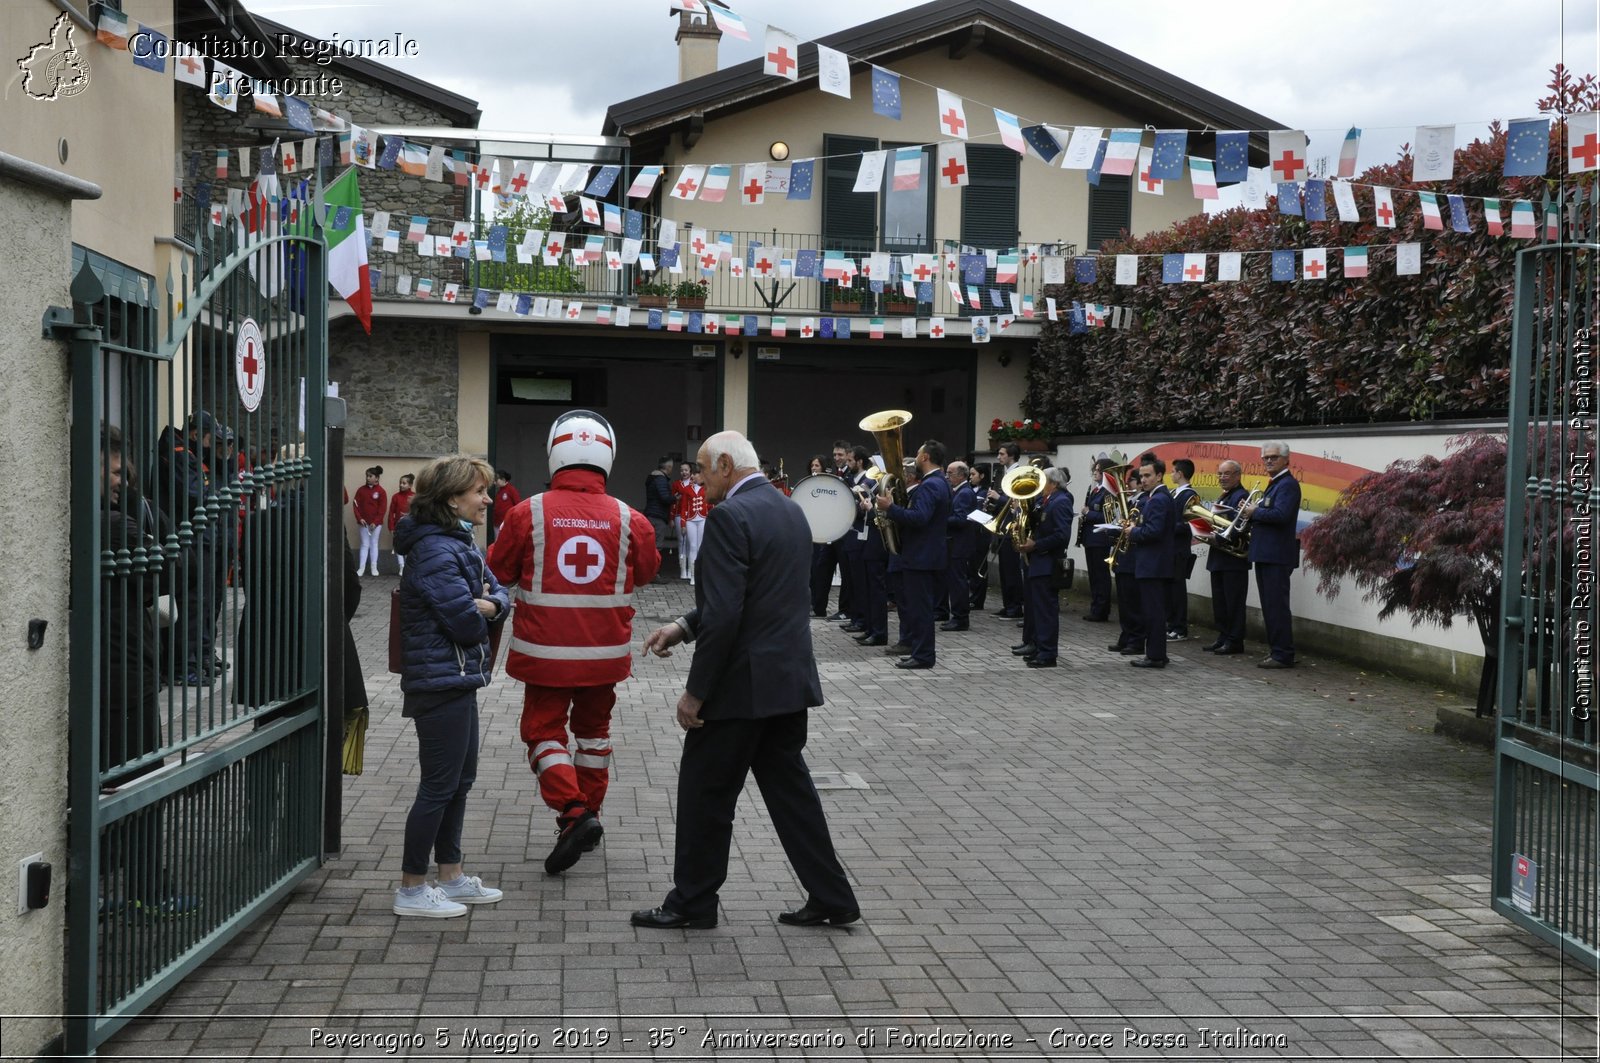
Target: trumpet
x=1235, y=538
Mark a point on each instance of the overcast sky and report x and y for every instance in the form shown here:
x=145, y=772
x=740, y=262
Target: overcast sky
x=1387, y=67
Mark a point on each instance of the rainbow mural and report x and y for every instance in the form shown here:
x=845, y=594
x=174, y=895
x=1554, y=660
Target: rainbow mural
x=1322, y=480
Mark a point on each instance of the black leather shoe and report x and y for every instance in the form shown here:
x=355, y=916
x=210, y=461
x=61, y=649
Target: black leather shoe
x=1041, y=662
x=1273, y=662
x=1228, y=651
x=955, y=625
x=1145, y=662
x=874, y=640
x=1116, y=647
x=1133, y=651
x=810, y=916
x=840, y=617
x=576, y=837
x=1022, y=650
x=664, y=918
x=1213, y=648
x=1008, y=614
x=910, y=663
x=899, y=649
x=854, y=628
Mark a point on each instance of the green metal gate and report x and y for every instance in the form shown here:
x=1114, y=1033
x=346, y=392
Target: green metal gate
x=198, y=501
x=1547, y=800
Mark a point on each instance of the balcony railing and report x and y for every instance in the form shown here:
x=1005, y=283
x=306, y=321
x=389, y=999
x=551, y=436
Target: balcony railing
x=595, y=282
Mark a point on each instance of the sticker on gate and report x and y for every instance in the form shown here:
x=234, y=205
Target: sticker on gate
x=581, y=559
x=250, y=364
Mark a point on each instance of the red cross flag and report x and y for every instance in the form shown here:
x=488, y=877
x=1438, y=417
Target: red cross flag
x=952, y=116
x=753, y=184
x=808, y=327
x=687, y=186
x=783, y=54
x=1286, y=155
x=1314, y=264
x=953, y=164
x=1583, y=142
x=1383, y=206
x=452, y=292
x=936, y=328
x=591, y=212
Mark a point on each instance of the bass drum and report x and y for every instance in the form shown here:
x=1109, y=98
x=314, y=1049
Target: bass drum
x=829, y=506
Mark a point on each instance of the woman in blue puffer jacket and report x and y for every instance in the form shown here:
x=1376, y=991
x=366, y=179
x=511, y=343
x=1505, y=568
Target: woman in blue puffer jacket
x=448, y=598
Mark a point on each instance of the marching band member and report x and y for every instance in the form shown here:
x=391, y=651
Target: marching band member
x=853, y=584
x=1182, y=551
x=1230, y=575
x=1130, y=617
x=922, y=551
x=1097, y=544
x=1010, y=564
x=963, y=539
x=1150, y=543
x=978, y=571
x=1275, y=551
x=679, y=486
x=1041, y=624
x=692, y=510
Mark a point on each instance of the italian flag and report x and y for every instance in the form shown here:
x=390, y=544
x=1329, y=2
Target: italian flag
x=347, y=248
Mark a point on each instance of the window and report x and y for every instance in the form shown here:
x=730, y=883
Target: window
x=906, y=218
x=989, y=214
x=1110, y=208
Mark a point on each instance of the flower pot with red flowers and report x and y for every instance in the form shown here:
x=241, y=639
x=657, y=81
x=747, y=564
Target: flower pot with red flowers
x=1029, y=433
x=845, y=300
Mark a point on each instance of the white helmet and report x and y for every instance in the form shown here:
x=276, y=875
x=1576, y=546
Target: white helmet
x=581, y=439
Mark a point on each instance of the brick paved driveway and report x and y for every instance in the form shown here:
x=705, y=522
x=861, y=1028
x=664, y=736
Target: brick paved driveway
x=1106, y=861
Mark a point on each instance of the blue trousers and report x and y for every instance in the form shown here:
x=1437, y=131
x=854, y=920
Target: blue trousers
x=447, y=750
x=957, y=583
x=1094, y=559
x=1153, y=611
x=1043, y=617
x=1129, y=615
x=916, y=611
x=1229, y=589
x=878, y=598
x=1272, y=582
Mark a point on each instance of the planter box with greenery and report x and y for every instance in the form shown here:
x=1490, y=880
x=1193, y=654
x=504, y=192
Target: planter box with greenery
x=1030, y=433
x=691, y=295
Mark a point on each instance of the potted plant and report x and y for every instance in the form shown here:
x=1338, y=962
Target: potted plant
x=899, y=302
x=1031, y=433
x=691, y=295
x=652, y=293
x=846, y=299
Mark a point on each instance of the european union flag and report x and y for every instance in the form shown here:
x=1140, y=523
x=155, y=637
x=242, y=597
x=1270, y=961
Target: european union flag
x=825, y=328
x=841, y=328
x=885, y=93
x=1233, y=157
x=601, y=185
x=1077, y=322
x=480, y=298
x=1166, y=157
x=155, y=49
x=653, y=321
x=1528, y=147
x=667, y=257
x=750, y=327
x=298, y=112
x=925, y=291
x=498, y=234
x=750, y=253
x=800, y=174
x=1283, y=265
x=805, y=263
x=1085, y=270
x=1289, y=198
x=525, y=305
x=1458, y=215
x=341, y=218
x=974, y=268
x=391, y=152
x=375, y=276
x=1094, y=167
x=876, y=286
x=1171, y=269
x=1042, y=141
x=997, y=299
x=1316, y=205
x=696, y=321
x=633, y=225
x=202, y=196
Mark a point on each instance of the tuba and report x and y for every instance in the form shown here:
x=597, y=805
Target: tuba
x=1115, y=506
x=885, y=427
x=1022, y=484
x=1209, y=526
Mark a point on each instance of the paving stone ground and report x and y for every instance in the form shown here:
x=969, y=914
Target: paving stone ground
x=1109, y=862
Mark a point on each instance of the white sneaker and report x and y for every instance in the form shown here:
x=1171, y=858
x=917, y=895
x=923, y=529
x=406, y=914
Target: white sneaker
x=431, y=903
x=469, y=889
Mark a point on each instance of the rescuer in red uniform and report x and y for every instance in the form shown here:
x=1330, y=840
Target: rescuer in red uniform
x=573, y=556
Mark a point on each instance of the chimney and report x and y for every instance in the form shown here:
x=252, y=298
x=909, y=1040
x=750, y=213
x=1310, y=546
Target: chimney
x=697, y=46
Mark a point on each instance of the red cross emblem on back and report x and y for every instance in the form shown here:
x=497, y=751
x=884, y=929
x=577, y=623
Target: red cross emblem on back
x=584, y=436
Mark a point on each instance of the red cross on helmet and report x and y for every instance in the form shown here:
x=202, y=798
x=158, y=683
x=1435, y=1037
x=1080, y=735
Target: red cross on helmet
x=581, y=438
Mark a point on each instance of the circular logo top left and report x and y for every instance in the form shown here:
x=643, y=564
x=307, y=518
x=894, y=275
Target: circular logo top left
x=250, y=364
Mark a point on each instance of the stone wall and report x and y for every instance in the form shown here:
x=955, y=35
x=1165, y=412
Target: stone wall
x=207, y=127
x=401, y=384
x=37, y=562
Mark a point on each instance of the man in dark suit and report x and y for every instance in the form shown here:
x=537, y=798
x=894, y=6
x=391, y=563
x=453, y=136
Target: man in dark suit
x=1182, y=551
x=1275, y=551
x=923, y=556
x=978, y=570
x=1006, y=556
x=1097, y=544
x=1130, y=618
x=1151, y=546
x=851, y=548
x=963, y=538
x=1042, y=553
x=1230, y=574
x=825, y=556
x=745, y=704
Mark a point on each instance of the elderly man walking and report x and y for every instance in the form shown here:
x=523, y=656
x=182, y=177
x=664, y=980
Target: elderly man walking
x=745, y=704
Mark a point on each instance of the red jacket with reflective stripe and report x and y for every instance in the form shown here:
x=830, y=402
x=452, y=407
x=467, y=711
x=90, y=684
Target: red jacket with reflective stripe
x=572, y=557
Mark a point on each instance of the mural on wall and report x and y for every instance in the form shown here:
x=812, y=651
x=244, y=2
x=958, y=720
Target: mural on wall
x=1322, y=480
